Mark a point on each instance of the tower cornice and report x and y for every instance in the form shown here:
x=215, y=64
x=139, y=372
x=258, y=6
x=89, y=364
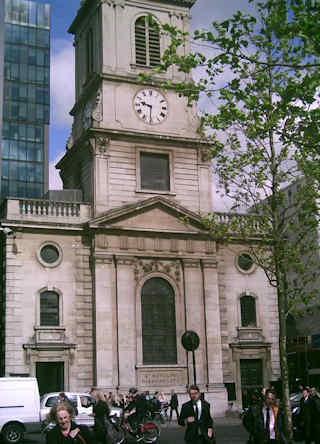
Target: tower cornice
x=88, y=5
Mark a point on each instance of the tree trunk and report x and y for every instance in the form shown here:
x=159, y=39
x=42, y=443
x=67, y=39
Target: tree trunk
x=282, y=308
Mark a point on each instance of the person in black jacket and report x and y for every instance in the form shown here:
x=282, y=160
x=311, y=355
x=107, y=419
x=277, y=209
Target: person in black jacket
x=305, y=415
x=315, y=415
x=66, y=431
x=174, y=404
x=195, y=414
x=101, y=412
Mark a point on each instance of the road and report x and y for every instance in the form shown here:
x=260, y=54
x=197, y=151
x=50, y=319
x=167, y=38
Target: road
x=227, y=433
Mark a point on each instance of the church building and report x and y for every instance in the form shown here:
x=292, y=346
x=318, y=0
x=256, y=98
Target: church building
x=102, y=279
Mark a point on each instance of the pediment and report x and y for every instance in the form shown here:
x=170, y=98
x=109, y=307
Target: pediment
x=155, y=214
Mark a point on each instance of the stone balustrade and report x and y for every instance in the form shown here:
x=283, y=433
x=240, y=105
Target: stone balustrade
x=46, y=211
x=243, y=221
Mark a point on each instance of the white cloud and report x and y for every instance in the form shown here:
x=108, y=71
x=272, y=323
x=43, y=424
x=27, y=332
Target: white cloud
x=55, y=182
x=62, y=83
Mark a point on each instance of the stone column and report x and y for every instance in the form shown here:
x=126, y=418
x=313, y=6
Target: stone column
x=195, y=316
x=126, y=322
x=106, y=331
x=216, y=388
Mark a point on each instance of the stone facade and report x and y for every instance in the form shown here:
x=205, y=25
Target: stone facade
x=109, y=249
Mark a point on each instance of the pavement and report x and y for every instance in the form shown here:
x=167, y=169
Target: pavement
x=228, y=431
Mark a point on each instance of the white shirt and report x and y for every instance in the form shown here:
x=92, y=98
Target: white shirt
x=199, y=405
x=271, y=423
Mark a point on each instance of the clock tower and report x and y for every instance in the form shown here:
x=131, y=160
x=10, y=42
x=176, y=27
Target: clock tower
x=132, y=141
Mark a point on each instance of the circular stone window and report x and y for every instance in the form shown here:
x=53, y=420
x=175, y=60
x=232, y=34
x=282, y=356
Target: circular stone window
x=50, y=254
x=245, y=263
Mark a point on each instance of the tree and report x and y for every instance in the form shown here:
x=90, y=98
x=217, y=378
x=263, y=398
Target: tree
x=262, y=75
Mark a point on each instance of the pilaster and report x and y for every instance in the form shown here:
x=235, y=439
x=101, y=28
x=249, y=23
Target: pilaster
x=216, y=389
x=126, y=321
x=212, y=314
x=106, y=328
x=99, y=148
x=195, y=316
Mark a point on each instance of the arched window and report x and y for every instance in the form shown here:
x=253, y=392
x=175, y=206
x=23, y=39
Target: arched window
x=248, y=311
x=159, y=342
x=49, y=309
x=147, y=38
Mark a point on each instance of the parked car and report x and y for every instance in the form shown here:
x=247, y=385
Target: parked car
x=19, y=408
x=82, y=401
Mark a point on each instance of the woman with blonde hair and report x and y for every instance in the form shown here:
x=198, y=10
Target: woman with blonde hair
x=100, y=412
x=62, y=414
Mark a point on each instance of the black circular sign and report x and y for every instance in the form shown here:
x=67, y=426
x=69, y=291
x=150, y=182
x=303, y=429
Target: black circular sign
x=190, y=340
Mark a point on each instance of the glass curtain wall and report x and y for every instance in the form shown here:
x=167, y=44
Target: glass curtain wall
x=26, y=98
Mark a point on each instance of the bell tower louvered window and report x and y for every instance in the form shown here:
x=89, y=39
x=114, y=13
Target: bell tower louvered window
x=147, y=38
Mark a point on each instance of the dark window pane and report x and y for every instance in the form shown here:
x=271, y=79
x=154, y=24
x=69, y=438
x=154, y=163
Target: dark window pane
x=13, y=188
x=32, y=36
x=49, y=308
x=32, y=13
x=4, y=188
x=155, y=173
x=7, y=32
x=5, y=148
x=5, y=169
x=22, y=131
x=22, y=152
x=23, y=111
x=14, y=149
x=158, y=322
x=49, y=254
x=245, y=262
x=32, y=56
x=248, y=311
x=22, y=171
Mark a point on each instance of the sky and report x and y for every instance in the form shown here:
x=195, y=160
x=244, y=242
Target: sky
x=62, y=64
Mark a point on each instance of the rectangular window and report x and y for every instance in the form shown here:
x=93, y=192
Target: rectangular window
x=5, y=149
x=7, y=32
x=32, y=13
x=154, y=171
x=49, y=308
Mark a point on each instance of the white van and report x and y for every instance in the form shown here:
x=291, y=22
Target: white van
x=19, y=408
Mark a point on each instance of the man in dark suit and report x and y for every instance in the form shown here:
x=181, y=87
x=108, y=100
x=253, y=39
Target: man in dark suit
x=174, y=404
x=195, y=414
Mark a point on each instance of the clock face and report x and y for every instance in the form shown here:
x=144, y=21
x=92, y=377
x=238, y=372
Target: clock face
x=151, y=106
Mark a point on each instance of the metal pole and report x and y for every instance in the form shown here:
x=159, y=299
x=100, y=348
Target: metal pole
x=194, y=368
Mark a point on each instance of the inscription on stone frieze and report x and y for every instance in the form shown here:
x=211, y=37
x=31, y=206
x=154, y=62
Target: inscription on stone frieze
x=162, y=377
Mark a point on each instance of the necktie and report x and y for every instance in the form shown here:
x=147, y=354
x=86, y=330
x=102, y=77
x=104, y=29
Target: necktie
x=268, y=424
x=197, y=412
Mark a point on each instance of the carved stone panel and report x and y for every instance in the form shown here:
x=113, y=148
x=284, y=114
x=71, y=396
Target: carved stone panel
x=147, y=266
x=162, y=377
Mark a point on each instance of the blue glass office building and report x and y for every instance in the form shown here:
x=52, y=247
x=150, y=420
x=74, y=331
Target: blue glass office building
x=24, y=97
